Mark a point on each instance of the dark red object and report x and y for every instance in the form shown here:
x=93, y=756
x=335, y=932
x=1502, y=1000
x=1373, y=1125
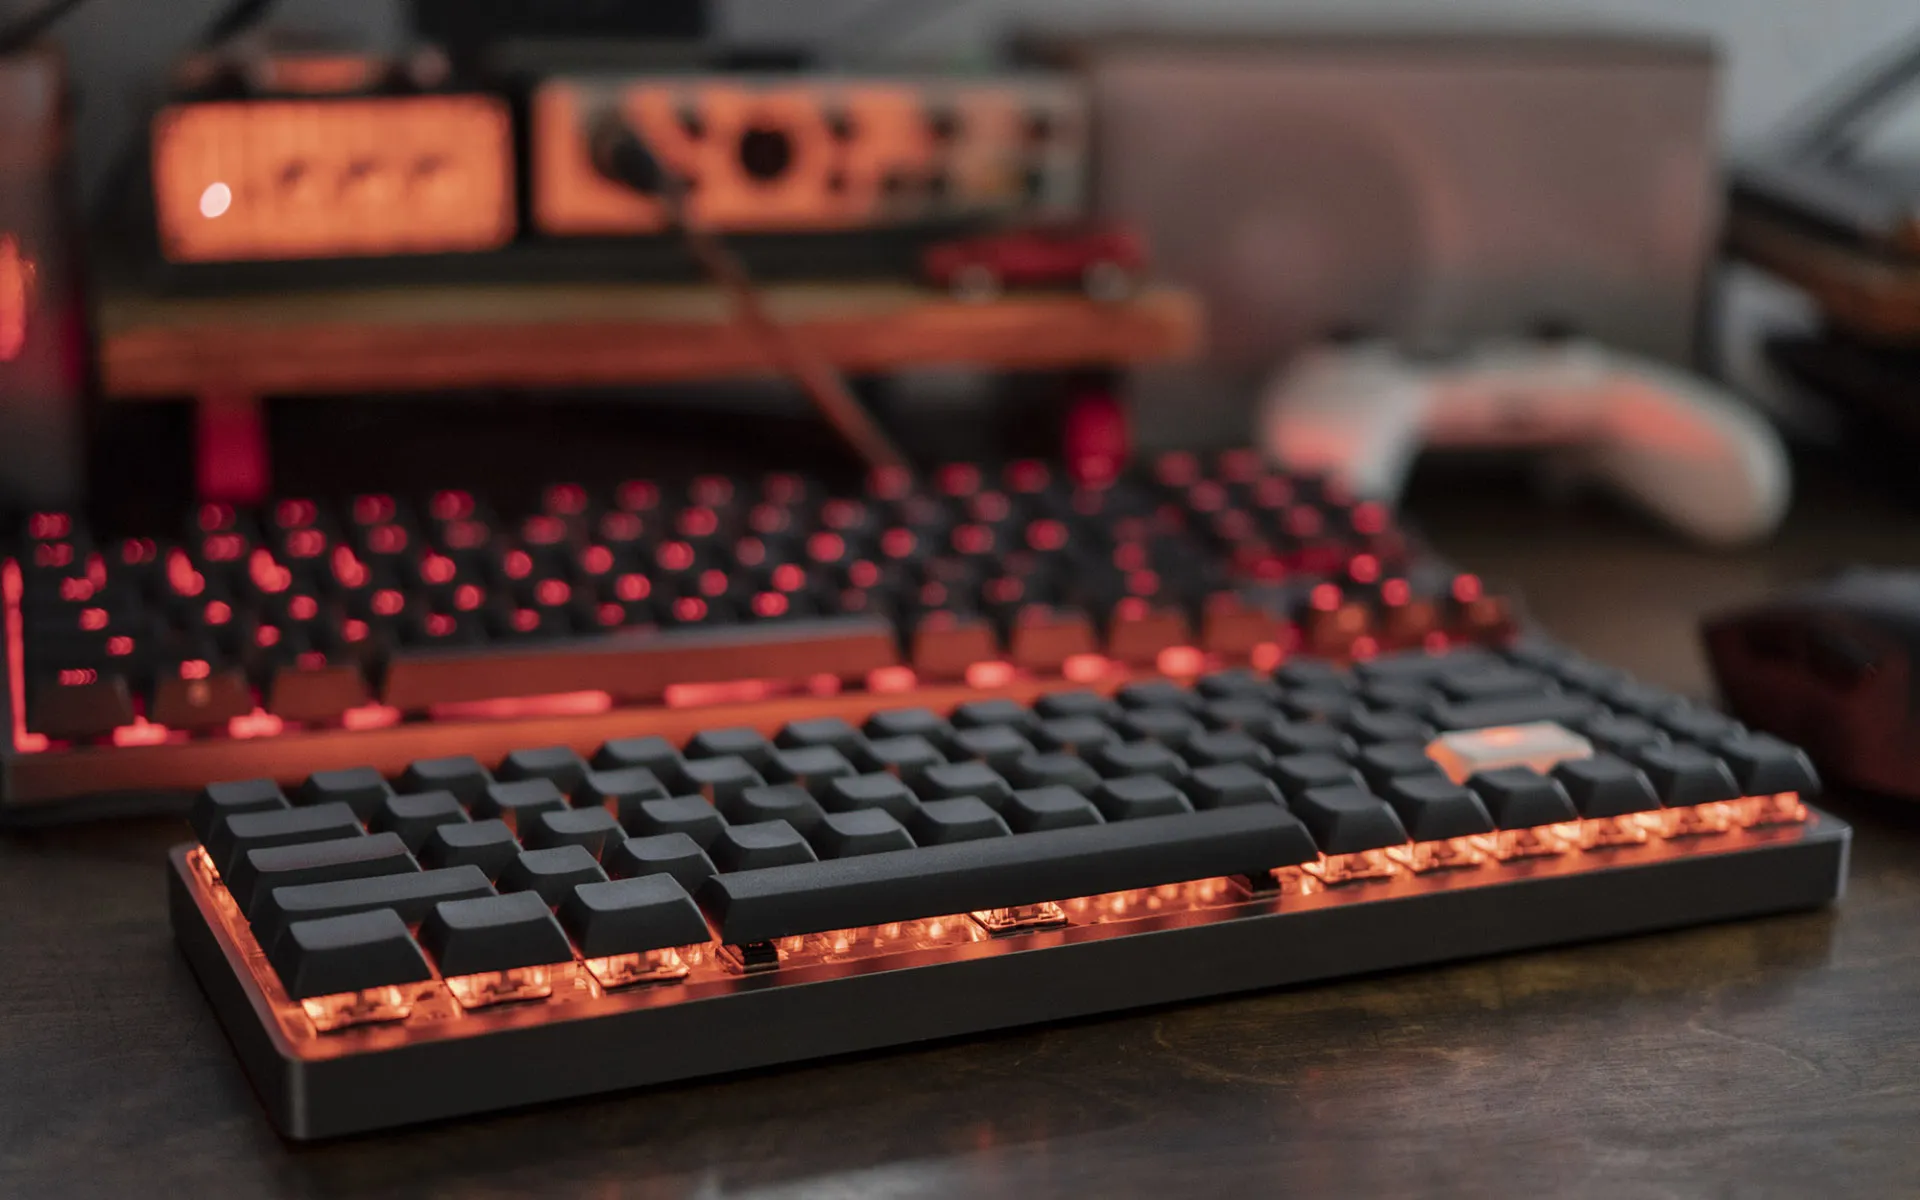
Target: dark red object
x=1106, y=259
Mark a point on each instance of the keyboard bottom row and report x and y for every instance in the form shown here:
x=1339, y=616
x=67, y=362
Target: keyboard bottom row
x=593, y=1026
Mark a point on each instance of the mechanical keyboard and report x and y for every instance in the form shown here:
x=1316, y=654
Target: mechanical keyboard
x=303, y=634
x=464, y=934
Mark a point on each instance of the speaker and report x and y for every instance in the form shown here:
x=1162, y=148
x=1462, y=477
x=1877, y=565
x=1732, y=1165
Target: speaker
x=786, y=153
x=1436, y=188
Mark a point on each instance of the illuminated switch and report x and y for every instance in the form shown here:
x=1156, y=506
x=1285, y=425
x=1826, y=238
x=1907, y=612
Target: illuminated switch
x=1541, y=745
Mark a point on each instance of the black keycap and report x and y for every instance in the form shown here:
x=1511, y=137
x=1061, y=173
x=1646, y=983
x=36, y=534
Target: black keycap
x=1073, y=735
x=1605, y=786
x=557, y=764
x=960, y=819
x=1433, y=807
x=1400, y=695
x=218, y=801
x=976, y=779
x=1003, y=872
x=811, y=767
x=1312, y=674
x=1347, y=819
x=1300, y=773
x=1158, y=693
x=998, y=746
x=1169, y=727
x=690, y=815
x=1230, y=784
x=1139, y=796
x=831, y=732
x=909, y=722
x=1684, y=775
x=1304, y=737
x=977, y=714
x=719, y=779
x=656, y=754
x=347, y=954
x=1522, y=798
x=551, y=874
x=1037, y=809
x=1764, y=765
x=414, y=817
x=1616, y=734
x=752, y=847
x=880, y=791
x=359, y=788
x=1237, y=714
x=489, y=845
x=1138, y=758
x=592, y=829
x=462, y=775
x=1369, y=728
x=787, y=802
x=1393, y=760
x=673, y=854
x=1237, y=683
x=618, y=791
x=1492, y=682
x=1078, y=703
x=410, y=895
x=1319, y=704
x=79, y=711
x=863, y=831
x=257, y=871
x=1696, y=724
x=519, y=801
x=494, y=933
x=1513, y=710
x=742, y=743
x=1226, y=746
x=279, y=827
x=1052, y=770
x=1632, y=696
x=632, y=916
x=908, y=757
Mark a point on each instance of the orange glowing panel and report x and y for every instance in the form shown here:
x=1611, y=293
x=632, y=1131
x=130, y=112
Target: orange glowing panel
x=1541, y=745
x=141, y=733
x=559, y=704
x=268, y=180
x=16, y=296
x=990, y=674
x=258, y=723
x=11, y=587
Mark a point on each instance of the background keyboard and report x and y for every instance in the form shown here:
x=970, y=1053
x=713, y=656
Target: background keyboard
x=463, y=935
x=385, y=611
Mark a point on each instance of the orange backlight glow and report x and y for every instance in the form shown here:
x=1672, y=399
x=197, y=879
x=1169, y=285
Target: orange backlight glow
x=16, y=296
x=1541, y=745
x=290, y=179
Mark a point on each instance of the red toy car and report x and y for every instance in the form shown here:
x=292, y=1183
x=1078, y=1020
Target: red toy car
x=1106, y=260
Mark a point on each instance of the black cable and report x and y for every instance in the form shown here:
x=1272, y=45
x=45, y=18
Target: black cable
x=27, y=29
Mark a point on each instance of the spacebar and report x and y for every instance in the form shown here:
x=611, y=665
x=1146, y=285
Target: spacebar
x=640, y=665
x=1002, y=872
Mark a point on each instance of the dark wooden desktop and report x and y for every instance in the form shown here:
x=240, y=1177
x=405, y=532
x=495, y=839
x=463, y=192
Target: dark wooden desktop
x=1773, y=1057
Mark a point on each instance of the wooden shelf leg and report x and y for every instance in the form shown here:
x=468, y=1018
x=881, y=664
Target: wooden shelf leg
x=230, y=447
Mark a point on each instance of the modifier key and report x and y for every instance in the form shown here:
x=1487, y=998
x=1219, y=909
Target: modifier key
x=347, y=954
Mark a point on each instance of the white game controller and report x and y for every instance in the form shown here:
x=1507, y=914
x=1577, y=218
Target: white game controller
x=1692, y=456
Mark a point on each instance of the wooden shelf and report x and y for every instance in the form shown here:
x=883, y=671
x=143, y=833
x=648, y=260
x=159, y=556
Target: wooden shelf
x=402, y=339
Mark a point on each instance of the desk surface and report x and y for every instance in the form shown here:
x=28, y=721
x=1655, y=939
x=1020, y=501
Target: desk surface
x=1779, y=1056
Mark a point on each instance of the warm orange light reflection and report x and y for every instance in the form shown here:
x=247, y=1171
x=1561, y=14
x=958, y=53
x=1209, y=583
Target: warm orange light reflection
x=1542, y=745
x=989, y=674
x=703, y=695
x=344, y=1009
x=1084, y=668
x=891, y=679
x=501, y=987
x=560, y=704
x=1753, y=812
x=11, y=587
x=16, y=296
x=1336, y=869
x=141, y=733
x=625, y=970
x=1025, y=916
x=1181, y=662
x=258, y=723
x=1452, y=854
x=370, y=716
